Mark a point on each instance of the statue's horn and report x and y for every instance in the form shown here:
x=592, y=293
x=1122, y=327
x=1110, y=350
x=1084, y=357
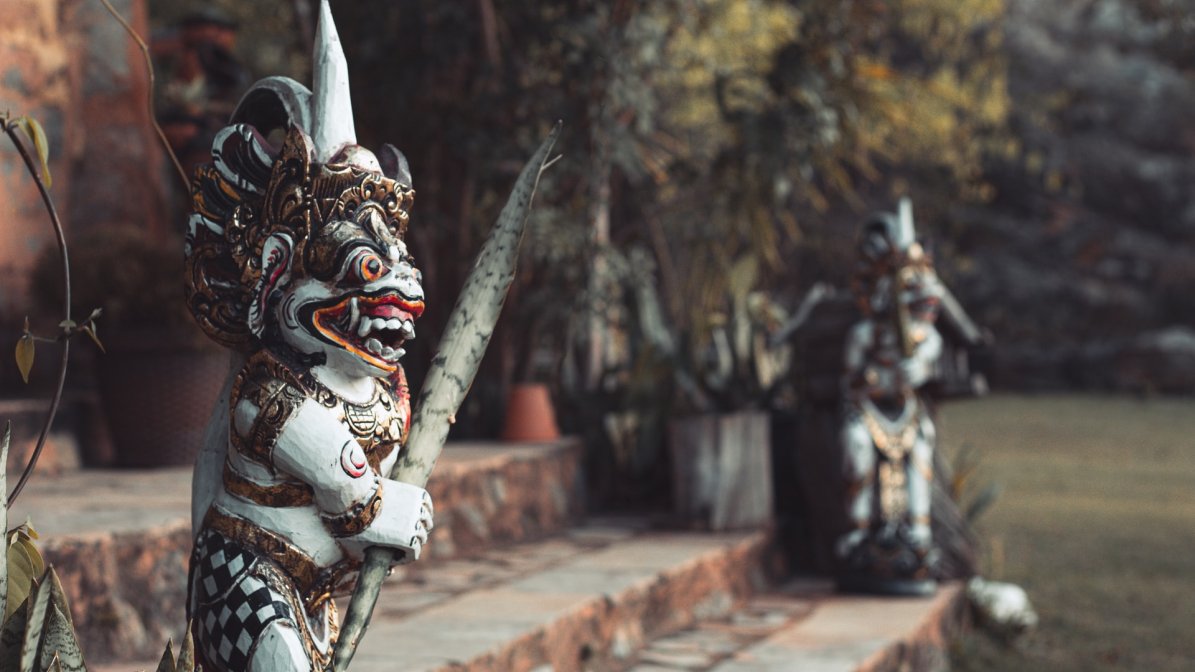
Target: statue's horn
x=331, y=108
x=905, y=235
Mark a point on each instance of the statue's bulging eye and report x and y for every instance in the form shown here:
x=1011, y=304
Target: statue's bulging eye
x=370, y=267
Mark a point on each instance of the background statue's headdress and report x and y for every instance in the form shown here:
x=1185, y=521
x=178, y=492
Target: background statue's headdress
x=264, y=215
x=887, y=244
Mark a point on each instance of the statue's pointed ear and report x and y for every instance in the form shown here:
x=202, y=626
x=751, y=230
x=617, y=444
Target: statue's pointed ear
x=394, y=165
x=275, y=272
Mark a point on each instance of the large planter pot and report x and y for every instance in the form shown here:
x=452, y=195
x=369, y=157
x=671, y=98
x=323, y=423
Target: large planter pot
x=722, y=470
x=157, y=392
x=530, y=415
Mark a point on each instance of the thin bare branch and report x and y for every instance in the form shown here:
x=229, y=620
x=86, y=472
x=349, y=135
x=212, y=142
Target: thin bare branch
x=149, y=67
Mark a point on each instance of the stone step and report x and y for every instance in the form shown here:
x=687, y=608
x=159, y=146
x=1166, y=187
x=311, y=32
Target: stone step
x=587, y=599
x=120, y=540
x=584, y=601
x=804, y=626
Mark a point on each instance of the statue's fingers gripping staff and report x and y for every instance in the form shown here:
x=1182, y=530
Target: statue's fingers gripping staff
x=296, y=259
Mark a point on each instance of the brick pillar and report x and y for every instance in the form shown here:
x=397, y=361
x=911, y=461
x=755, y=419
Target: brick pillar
x=119, y=179
x=35, y=79
x=69, y=64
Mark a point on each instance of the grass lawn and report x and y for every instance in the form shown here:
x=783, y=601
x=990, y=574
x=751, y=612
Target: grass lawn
x=1096, y=521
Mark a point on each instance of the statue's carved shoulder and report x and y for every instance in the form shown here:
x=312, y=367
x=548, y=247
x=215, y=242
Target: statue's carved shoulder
x=276, y=393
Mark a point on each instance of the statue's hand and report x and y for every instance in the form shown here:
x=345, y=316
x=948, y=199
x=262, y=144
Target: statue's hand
x=423, y=526
x=403, y=523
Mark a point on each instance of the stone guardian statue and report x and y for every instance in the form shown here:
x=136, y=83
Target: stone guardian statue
x=296, y=260
x=887, y=432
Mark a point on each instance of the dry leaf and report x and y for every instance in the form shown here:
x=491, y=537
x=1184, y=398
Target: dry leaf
x=25, y=353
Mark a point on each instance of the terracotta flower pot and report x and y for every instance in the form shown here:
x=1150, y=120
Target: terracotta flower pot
x=529, y=414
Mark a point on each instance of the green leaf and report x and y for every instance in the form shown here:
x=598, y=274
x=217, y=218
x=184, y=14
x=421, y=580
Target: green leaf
x=24, y=565
x=35, y=132
x=58, y=594
x=167, y=662
x=20, y=580
x=25, y=355
x=39, y=605
x=67, y=325
x=95, y=314
x=11, y=635
x=742, y=276
x=186, y=655
x=60, y=647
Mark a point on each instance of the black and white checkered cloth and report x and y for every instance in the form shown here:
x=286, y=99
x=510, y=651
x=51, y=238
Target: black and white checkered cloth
x=231, y=606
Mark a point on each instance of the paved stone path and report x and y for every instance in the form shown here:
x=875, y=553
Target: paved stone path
x=803, y=626
x=584, y=600
x=611, y=595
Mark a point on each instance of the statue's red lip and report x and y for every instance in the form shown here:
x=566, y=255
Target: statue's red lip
x=330, y=322
x=390, y=306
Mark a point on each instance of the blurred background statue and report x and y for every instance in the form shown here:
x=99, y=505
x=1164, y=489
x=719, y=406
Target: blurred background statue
x=887, y=433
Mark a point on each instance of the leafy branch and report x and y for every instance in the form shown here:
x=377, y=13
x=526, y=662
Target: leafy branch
x=14, y=128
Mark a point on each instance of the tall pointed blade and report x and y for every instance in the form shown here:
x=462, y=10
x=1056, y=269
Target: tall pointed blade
x=466, y=336
x=331, y=107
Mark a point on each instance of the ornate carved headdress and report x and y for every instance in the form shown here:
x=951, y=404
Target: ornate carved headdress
x=265, y=216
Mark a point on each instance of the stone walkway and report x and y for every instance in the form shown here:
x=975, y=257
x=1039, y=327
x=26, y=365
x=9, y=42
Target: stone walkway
x=803, y=626
x=584, y=601
x=120, y=540
x=511, y=583
x=587, y=599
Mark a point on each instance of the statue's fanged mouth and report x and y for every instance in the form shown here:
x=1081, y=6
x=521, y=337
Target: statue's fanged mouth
x=372, y=327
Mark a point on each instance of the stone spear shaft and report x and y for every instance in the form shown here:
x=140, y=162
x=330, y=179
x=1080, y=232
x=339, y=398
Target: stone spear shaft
x=470, y=326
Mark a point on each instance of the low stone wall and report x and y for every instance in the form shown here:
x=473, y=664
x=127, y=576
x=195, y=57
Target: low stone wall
x=128, y=588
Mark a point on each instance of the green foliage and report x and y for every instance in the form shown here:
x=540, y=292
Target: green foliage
x=25, y=566
x=26, y=349
x=972, y=497
x=38, y=633
x=185, y=661
x=41, y=146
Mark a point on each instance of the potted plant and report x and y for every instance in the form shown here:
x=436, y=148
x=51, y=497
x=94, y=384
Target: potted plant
x=725, y=373
x=159, y=376
x=721, y=445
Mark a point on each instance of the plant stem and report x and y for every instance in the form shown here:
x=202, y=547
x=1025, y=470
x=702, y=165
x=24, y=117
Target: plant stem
x=153, y=118
x=60, y=236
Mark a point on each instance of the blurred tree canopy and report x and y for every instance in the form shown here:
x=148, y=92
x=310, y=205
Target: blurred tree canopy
x=704, y=131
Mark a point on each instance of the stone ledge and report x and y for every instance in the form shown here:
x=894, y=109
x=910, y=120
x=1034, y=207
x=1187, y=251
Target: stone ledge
x=120, y=540
x=862, y=634
x=584, y=609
